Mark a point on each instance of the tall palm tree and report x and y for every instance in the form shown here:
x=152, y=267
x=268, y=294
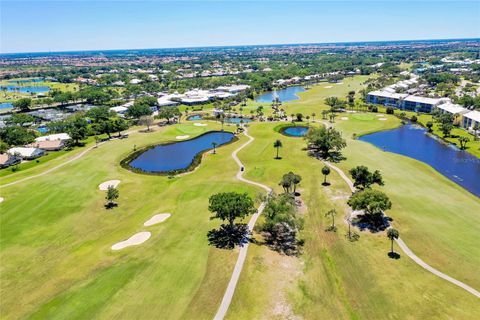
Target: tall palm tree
x=392, y=234
x=332, y=214
x=277, y=144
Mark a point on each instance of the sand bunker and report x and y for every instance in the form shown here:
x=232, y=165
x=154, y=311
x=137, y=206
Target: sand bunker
x=380, y=115
x=328, y=87
x=182, y=137
x=339, y=82
x=1, y=199
x=134, y=240
x=200, y=124
x=344, y=118
x=158, y=218
x=113, y=183
x=382, y=119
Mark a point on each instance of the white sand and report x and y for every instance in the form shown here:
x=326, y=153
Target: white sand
x=1, y=199
x=382, y=119
x=134, y=240
x=328, y=87
x=200, y=124
x=158, y=218
x=339, y=82
x=113, y=183
x=182, y=137
x=344, y=118
x=380, y=115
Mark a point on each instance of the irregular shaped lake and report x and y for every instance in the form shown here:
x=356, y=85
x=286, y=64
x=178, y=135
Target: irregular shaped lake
x=178, y=155
x=413, y=141
x=286, y=94
x=296, y=131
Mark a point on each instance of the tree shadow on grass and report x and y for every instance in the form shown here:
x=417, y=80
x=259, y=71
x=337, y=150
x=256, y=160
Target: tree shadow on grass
x=394, y=255
x=111, y=205
x=326, y=184
x=373, y=223
x=227, y=237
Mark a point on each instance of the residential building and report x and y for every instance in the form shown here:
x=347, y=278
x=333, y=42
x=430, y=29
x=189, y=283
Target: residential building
x=7, y=160
x=48, y=145
x=26, y=152
x=52, y=137
x=470, y=119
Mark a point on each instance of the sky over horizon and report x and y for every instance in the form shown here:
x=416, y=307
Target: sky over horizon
x=70, y=25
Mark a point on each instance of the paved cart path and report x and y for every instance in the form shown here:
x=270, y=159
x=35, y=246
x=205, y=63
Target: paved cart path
x=406, y=249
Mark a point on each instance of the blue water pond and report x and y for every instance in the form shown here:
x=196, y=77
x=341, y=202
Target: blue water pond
x=178, y=155
x=286, y=94
x=236, y=120
x=194, y=117
x=6, y=105
x=412, y=141
x=296, y=131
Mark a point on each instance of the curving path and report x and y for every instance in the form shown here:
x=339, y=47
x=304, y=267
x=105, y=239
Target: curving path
x=406, y=249
x=232, y=284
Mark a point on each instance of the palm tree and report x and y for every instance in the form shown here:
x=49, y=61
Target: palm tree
x=325, y=172
x=313, y=116
x=476, y=128
x=214, y=145
x=332, y=214
x=277, y=144
x=392, y=234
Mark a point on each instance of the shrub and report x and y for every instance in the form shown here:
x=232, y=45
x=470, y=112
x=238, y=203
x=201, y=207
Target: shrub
x=390, y=110
x=374, y=109
x=413, y=119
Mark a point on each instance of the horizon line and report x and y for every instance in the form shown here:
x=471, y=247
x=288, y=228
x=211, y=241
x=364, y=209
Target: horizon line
x=242, y=45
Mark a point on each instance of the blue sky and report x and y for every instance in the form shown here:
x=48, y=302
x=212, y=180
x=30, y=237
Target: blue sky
x=62, y=25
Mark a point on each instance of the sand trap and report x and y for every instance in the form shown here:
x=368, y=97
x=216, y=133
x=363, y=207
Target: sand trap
x=182, y=137
x=382, y=119
x=157, y=219
x=200, y=124
x=344, y=118
x=328, y=87
x=1, y=199
x=134, y=240
x=113, y=183
x=380, y=115
x=339, y=82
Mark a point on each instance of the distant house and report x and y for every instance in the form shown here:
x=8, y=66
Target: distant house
x=119, y=109
x=135, y=81
x=52, y=137
x=48, y=145
x=7, y=160
x=26, y=152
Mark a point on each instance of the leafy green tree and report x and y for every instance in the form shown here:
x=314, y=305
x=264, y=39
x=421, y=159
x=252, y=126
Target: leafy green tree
x=476, y=128
x=168, y=113
x=16, y=135
x=373, y=203
x=98, y=114
x=112, y=195
x=21, y=119
x=138, y=110
x=392, y=234
x=277, y=145
x=364, y=178
x=22, y=104
x=77, y=128
x=290, y=182
x=119, y=125
x=230, y=206
x=94, y=95
x=325, y=172
x=299, y=117
x=146, y=121
x=325, y=141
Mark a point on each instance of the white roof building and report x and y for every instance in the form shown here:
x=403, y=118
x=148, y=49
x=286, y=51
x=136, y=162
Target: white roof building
x=119, y=109
x=26, y=153
x=53, y=137
x=473, y=115
x=426, y=100
x=451, y=108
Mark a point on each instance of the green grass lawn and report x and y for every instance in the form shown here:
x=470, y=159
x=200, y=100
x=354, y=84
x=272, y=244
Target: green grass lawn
x=56, y=236
x=55, y=239
x=338, y=279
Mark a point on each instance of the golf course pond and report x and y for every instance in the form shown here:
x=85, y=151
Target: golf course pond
x=176, y=156
x=284, y=95
x=194, y=117
x=236, y=120
x=294, y=131
x=415, y=142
